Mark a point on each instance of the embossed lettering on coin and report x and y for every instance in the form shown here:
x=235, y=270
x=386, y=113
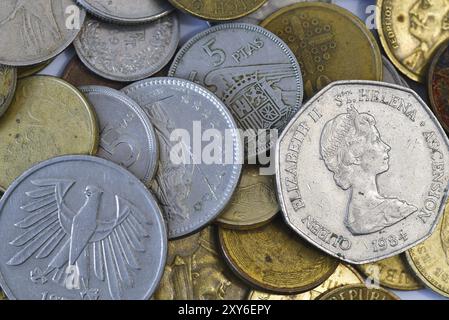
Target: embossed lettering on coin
x=357, y=292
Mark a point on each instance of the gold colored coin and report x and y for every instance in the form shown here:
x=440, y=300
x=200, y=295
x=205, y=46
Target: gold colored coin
x=273, y=258
x=254, y=202
x=23, y=72
x=344, y=275
x=196, y=271
x=8, y=82
x=393, y=273
x=411, y=32
x=357, y=292
x=330, y=43
x=47, y=118
x=218, y=10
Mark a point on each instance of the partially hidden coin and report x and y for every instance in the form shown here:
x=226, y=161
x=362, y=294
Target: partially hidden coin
x=35, y=31
x=330, y=43
x=195, y=270
x=127, y=136
x=192, y=189
x=23, y=72
x=48, y=117
x=72, y=233
x=8, y=83
x=272, y=258
x=127, y=53
x=391, y=75
x=361, y=171
x=358, y=292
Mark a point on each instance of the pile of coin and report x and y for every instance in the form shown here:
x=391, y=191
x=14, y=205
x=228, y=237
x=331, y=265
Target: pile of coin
x=276, y=155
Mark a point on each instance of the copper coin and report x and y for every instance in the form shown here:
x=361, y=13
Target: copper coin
x=438, y=85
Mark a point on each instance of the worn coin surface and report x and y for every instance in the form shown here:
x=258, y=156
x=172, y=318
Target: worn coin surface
x=411, y=31
x=48, y=117
x=391, y=75
x=343, y=275
x=127, y=53
x=330, y=43
x=192, y=185
x=23, y=72
x=254, y=202
x=358, y=292
x=72, y=233
x=272, y=258
x=195, y=270
x=32, y=32
x=362, y=171
x=127, y=12
x=8, y=83
x=127, y=136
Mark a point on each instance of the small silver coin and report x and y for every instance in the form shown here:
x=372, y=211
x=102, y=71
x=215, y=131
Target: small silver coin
x=35, y=31
x=127, y=53
x=127, y=136
x=80, y=227
x=8, y=82
x=362, y=171
x=192, y=189
x=391, y=75
x=127, y=12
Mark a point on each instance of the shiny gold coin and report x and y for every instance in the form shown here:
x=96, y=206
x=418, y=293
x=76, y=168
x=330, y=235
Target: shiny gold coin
x=254, y=202
x=330, y=43
x=218, y=10
x=196, y=271
x=411, y=31
x=47, y=118
x=357, y=292
x=23, y=72
x=393, y=273
x=273, y=258
x=344, y=275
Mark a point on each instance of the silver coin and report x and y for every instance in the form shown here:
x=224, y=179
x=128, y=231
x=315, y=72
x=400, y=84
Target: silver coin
x=391, y=75
x=253, y=71
x=35, y=31
x=127, y=12
x=362, y=171
x=80, y=227
x=127, y=53
x=8, y=82
x=127, y=136
x=192, y=191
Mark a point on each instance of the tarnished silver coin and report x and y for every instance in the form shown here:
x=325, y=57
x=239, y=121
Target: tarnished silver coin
x=195, y=179
x=127, y=53
x=252, y=70
x=35, y=31
x=127, y=12
x=127, y=136
x=362, y=171
x=8, y=82
x=391, y=75
x=80, y=227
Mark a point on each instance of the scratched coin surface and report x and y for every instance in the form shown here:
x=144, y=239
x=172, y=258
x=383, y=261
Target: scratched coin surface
x=127, y=136
x=330, y=43
x=251, y=70
x=8, y=83
x=391, y=75
x=358, y=292
x=193, y=185
x=195, y=270
x=362, y=171
x=23, y=72
x=72, y=233
x=127, y=12
x=127, y=53
x=343, y=275
x=273, y=258
x=47, y=118
x=35, y=31
x=254, y=202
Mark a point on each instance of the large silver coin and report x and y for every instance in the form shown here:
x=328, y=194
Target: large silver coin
x=127, y=53
x=35, y=31
x=253, y=71
x=362, y=171
x=391, y=75
x=191, y=189
x=127, y=136
x=80, y=227
x=8, y=82
x=126, y=11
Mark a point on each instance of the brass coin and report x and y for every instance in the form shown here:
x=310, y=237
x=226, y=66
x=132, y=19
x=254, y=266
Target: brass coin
x=358, y=292
x=411, y=31
x=273, y=258
x=254, y=202
x=330, y=43
x=47, y=118
x=8, y=82
x=343, y=275
x=23, y=72
x=218, y=10
x=393, y=273
x=196, y=271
